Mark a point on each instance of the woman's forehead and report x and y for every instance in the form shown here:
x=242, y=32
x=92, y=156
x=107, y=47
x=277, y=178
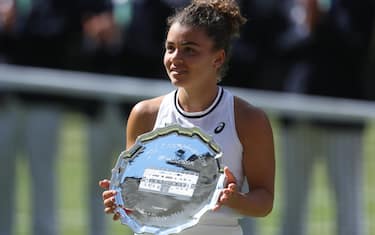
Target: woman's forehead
x=179, y=33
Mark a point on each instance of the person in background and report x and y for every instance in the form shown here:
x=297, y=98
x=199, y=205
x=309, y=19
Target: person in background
x=255, y=50
x=369, y=71
x=323, y=54
x=39, y=33
x=195, y=59
x=315, y=48
x=97, y=51
x=142, y=40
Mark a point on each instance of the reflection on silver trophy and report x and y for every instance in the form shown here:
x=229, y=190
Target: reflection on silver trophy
x=167, y=180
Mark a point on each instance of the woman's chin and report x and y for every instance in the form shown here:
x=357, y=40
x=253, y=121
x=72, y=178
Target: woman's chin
x=177, y=80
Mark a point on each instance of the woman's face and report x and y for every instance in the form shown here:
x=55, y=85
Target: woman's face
x=189, y=58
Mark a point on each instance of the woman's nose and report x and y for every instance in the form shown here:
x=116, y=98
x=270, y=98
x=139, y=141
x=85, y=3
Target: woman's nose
x=176, y=57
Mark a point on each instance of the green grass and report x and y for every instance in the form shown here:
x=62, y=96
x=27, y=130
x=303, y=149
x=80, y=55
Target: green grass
x=369, y=166
x=72, y=180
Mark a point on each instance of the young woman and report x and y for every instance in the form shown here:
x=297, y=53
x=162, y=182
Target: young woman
x=196, y=55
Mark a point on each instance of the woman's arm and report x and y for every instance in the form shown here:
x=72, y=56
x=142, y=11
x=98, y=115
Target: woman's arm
x=255, y=133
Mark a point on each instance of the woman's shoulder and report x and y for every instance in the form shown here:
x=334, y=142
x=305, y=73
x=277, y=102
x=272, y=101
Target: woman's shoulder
x=246, y=110
x=143, y=114
x=149, y=106
x=250, y=119
x=147, y=109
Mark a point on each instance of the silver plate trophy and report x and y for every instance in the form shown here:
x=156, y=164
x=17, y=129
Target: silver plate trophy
x=167, y=180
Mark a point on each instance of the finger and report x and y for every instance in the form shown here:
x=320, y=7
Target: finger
x=221, y=201
x=216, y=207
x=225, y=197
x=116, y=216
x=108, y=194
x=227, y=192
x=109, y=210
x=232, y=187
x=104, y=183
x=229, y=176
x=128, y=211
x=109, y=202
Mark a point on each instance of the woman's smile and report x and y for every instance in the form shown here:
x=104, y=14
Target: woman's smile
x=176, y=71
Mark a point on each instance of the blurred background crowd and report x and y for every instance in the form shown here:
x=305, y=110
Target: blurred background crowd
x=314, y=47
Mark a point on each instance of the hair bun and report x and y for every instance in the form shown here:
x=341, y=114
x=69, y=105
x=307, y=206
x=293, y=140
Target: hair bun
x=228, y=8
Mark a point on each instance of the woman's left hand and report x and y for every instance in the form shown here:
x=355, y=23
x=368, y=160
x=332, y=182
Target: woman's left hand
x=229, y=194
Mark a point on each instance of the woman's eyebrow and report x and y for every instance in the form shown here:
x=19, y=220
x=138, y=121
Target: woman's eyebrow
x=184, y=43
x=189, y=43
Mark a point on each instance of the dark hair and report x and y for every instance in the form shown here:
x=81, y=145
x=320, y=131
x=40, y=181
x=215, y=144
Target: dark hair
x=221, y=20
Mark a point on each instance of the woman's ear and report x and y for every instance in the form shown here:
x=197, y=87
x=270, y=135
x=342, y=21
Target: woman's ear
x=219, y=58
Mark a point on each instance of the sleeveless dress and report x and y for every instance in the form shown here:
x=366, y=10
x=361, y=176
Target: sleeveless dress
x=219, y=122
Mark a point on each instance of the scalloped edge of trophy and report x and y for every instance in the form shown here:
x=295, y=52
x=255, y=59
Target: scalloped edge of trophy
x=145, y=229
x=120, y=166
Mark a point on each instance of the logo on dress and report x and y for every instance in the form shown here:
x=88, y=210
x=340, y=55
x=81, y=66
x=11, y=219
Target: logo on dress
x=219, y=128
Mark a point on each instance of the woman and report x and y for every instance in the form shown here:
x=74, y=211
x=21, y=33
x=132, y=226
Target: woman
x=196, y=54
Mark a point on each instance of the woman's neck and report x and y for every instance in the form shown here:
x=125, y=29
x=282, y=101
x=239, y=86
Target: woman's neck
x=197, y=100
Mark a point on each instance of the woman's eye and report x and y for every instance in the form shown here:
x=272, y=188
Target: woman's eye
x=169, y=48
x=189, y=50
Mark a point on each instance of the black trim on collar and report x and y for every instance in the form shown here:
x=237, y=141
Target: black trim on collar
x=202, y=113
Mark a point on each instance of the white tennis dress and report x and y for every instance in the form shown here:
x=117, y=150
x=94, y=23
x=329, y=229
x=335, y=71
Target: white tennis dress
x=218, y=121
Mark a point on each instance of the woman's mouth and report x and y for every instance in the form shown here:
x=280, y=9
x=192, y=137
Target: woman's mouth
x=178, y=71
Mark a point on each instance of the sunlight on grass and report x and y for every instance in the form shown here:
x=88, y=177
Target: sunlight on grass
x=72, y=175
x=321, y=215
x=369, y=177
x=23, y=208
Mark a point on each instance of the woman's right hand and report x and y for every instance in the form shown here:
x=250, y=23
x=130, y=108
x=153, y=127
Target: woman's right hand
x=109, y=199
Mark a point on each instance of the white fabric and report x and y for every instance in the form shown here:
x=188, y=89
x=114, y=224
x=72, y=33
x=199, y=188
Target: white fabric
x=220, y=113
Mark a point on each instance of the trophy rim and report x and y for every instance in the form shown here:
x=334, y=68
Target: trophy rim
x=118, y=177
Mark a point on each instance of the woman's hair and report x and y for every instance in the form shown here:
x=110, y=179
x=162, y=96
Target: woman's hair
x=220, y=19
